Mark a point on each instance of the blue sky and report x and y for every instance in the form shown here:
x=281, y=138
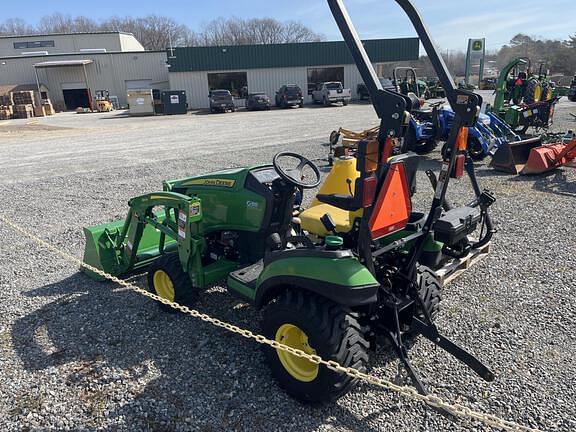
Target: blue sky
x=451, y=22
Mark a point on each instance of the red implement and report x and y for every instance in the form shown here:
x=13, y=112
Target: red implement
x=548, y=157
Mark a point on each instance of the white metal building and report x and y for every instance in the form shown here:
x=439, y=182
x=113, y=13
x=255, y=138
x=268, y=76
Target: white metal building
x=251, y=68
x=74, y=67
x=60, y=43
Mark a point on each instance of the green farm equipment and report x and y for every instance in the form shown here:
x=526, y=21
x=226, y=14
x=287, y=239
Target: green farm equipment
x=406, y=81
x=523, y=99
x=435, y=89
x=332, y=279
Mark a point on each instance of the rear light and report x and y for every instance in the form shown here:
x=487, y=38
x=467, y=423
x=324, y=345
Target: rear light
x=387, y=149
x=368, y=191
x=459, y=166
x=462, y=140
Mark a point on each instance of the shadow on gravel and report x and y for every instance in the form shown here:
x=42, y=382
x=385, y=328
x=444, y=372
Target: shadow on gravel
x=171, y=371
x=555, y=182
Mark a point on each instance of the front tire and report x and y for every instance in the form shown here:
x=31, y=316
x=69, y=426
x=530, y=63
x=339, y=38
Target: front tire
x=316, y=326
x=167, y=279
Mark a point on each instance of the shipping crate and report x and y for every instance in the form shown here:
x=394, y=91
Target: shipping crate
x=24, y=111
x=48, y=108
x=39, y=111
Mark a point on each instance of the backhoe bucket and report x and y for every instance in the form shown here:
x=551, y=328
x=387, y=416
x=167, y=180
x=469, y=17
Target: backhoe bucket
x=512, y=156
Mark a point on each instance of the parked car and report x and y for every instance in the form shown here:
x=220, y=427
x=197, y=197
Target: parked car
x=331, y=92
x=258, y=101
x=289, y=95
x=221, y=101
x=363, y=93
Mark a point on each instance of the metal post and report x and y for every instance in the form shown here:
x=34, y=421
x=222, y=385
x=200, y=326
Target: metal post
x=87, y=87
x=38, y=85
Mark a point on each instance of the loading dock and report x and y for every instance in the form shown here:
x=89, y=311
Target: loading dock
x=75, y=94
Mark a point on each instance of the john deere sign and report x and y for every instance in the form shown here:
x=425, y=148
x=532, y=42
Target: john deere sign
x=475, y=57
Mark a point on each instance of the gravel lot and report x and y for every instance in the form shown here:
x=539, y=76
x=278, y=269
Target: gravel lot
x=81, y=355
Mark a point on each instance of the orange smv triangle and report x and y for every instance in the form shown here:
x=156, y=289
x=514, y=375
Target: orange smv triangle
x=393, y=207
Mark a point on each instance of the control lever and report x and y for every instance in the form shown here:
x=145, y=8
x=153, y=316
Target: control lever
x=328, y=223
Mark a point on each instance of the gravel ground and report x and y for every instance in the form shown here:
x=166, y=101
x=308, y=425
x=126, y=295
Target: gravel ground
x=81, y=355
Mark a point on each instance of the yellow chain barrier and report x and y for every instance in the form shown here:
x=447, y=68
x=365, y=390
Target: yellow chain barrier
x=410, y=392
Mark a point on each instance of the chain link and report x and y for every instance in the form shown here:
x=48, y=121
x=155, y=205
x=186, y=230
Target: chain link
x=409, y=392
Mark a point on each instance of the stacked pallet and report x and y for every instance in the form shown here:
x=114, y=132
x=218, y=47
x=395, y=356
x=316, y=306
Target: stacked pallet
x=23, y=98
x=48, y=108
x=6, y=100
x=5, y=112
x=24, y=111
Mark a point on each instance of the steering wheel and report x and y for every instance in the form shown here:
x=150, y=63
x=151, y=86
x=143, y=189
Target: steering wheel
x=296, y=175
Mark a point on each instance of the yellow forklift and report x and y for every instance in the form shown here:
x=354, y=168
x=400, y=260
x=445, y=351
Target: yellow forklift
x=103, y=103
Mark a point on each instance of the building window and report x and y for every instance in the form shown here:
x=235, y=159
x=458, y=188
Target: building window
x=320, y=75
x=235, y=82
x=34, y=44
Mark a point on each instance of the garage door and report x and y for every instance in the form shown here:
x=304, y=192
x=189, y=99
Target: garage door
x=73, y=85
x=138, y=84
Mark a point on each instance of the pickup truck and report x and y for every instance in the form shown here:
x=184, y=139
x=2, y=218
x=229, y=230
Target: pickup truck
x=331, y=92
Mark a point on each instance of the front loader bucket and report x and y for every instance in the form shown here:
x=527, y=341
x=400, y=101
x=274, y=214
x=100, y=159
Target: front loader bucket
x=512, y=156
x=545, y=158
x=103, y=252
x=99, y=250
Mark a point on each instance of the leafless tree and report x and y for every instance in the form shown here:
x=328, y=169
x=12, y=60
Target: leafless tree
x=157, y=32
x=59, y=23
x=237, y=31
x=15, y=26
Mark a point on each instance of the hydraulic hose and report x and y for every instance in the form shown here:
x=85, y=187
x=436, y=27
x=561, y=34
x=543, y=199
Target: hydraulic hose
x=487, y=225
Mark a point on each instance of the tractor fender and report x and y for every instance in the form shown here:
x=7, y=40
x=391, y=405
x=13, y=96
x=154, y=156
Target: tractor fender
x=341, y=279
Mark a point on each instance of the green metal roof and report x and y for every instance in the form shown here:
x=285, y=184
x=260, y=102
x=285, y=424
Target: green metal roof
x=192, y=59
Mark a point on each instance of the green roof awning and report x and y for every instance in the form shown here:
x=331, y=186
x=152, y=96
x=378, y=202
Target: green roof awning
x=220, y=58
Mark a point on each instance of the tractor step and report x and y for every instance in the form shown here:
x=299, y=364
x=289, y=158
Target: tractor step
x=242, y=282
x=456, y=266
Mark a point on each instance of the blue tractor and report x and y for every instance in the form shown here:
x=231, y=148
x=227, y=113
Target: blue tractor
x=427, y=127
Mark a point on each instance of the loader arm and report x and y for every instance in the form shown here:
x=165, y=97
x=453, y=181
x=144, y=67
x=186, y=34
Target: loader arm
x=501, y=86
x=155, y=223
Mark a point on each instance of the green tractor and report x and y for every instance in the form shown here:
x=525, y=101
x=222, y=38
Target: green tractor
x=406, y=81
x=333, y=279
x=524, y=99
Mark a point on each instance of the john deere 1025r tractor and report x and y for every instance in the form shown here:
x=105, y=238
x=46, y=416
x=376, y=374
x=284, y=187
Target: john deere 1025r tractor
x=332, y=279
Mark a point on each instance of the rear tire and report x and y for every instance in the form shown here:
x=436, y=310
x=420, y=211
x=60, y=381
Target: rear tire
x=334, y=137
x=167, y=280
x=315, y=325
x=475, y=149
x=430, y=291
x=533, y=92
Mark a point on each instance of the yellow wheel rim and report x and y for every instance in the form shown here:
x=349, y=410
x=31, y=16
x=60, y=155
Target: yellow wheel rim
x=301, y=369
x=163, y=285
x=537, y=93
